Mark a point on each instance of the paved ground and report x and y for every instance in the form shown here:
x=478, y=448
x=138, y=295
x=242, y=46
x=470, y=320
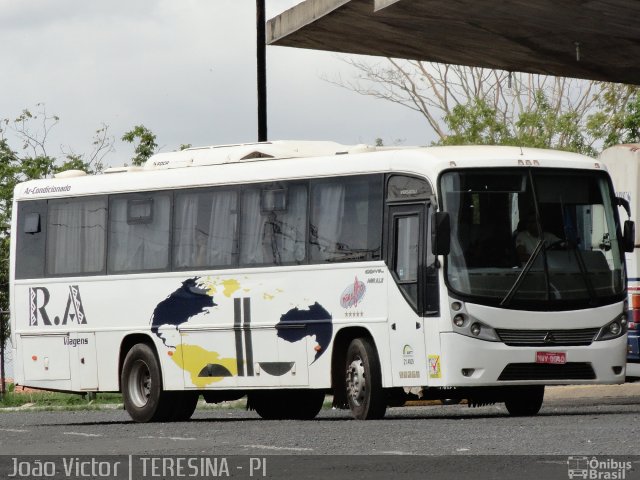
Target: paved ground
x=595, y=394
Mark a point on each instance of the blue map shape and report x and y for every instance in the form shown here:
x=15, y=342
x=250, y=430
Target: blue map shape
x=187, y=301
x=315, y=321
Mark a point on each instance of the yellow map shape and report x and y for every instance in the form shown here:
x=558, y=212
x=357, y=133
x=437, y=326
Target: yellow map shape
x=229, y=287
x=193, y=359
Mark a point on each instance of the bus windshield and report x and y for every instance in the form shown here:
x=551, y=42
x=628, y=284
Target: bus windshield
x=519, y=237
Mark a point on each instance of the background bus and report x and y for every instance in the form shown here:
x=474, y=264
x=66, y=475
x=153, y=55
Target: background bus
x=286, y=270
x=623, y=162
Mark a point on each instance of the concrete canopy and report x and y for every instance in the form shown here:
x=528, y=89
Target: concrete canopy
x=592, y=39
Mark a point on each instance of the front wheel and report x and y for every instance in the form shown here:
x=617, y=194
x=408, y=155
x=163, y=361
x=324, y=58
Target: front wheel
x=141, y=383
x=364, y=383
x=524, y=401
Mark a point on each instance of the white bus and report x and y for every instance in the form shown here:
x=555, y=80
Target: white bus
x=287, y=270
x=623, y=163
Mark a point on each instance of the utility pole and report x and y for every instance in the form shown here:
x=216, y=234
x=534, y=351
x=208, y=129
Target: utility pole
x=3, y=340
x=261, y=65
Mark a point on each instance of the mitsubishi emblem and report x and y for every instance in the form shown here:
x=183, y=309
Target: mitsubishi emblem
x=548, y=338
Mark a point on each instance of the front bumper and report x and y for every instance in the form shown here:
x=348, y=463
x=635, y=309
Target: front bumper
x=468, y=362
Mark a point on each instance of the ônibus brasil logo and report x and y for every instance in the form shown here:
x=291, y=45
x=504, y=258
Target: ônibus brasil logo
x=597, y=469
x=39, y=299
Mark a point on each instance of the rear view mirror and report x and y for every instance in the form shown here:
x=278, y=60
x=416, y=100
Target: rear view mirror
x=440, y=233
x=624, y=203
x=629, y=236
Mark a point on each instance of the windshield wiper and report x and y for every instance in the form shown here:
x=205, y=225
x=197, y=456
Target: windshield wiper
x=516, y=285
x=593, y=296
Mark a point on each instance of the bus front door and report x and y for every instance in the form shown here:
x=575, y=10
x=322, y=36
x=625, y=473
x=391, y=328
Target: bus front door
x=405, y=253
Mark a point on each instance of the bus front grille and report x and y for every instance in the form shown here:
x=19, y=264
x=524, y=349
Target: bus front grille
x=541, y=338
x=543, y=371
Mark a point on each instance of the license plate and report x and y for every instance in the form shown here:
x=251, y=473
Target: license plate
x=555, y=358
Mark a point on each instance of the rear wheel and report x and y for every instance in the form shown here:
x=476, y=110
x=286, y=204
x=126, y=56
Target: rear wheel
x=287, y=404
x=525, y=401
x=182, y=405
x=365, y=395
x=141, y=383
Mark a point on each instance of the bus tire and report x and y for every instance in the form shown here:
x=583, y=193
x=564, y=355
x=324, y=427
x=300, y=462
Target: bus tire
x=182, y=405
x=287, y=404
x=307, y=404
x=266, y=403
x=141, y=383
x=525, y=401
x=365, y=395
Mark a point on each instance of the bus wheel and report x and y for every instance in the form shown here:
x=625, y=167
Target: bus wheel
x=306, y=404
x=182, y=405
x=266, y=403
x=287, y=404
x=364, y=383
x=141, y=384
x=524, y=401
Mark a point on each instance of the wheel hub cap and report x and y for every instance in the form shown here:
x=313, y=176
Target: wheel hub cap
x=140, y=384
x=356, y=382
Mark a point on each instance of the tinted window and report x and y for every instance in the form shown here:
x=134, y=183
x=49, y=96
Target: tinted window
x=205, y=229
x=346, y=219
x=401, y=188
x=274, y=226
x=139, y=232
x=30, y=244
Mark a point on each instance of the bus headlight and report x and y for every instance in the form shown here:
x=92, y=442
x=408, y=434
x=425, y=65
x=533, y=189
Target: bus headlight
x=467, y=325
x=459, y=320
x=475, y=329
x=613, y=329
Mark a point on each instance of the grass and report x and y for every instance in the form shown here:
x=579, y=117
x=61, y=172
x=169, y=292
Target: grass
x=44, y=399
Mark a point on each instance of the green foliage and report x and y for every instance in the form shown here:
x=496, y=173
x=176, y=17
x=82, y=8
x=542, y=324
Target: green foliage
x=631, y=121
x=146, y=143
x=30, y=129
x=543, y=125
x=475, y=123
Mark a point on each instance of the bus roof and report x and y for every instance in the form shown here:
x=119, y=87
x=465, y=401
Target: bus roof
x=290, y=160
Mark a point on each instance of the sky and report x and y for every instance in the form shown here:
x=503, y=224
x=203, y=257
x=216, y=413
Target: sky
x=183, y=68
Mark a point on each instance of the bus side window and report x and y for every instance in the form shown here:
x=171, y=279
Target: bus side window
x=205, y=229
x=30, y=244
x=274, y=226
x=346, y=219
x=139, y=228
x=76, y=236
x=406, y=261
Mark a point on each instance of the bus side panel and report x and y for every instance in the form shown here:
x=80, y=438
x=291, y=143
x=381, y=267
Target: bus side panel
x=623, y=163
x=258, y=328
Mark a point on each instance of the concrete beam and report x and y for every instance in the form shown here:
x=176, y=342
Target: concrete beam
x=541, y=36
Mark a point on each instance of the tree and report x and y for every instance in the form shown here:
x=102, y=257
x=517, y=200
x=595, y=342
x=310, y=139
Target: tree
x=102, y=146
x=464, y=105
x=8, y=174
x=146, y=143
x=31, y=130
